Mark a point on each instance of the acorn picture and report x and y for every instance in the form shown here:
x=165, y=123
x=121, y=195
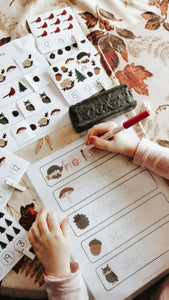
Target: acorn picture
x=81, y=221
x=95, y=247
x=58, y=76
x=97, y=70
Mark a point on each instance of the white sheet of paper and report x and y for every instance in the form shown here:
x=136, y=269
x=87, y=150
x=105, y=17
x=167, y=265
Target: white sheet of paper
x=118, y=216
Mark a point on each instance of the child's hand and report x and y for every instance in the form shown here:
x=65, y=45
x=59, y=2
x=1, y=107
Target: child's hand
x=120, y=142
x=52, y=243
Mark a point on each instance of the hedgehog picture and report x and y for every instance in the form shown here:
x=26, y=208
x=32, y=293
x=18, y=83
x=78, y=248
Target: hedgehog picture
x=54, y=172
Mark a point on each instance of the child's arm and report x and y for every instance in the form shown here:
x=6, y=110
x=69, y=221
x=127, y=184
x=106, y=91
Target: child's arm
x=144, y=153
x=52, y=245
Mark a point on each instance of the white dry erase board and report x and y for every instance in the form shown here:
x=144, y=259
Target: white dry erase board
x=118, y=216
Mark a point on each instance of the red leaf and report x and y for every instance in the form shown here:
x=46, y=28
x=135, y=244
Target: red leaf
x=4, y=41
x=28, y=214
x=134, y=76
x=91, y=20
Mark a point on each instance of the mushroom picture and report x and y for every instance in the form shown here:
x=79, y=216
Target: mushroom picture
x=65, y=193
x=20, y=130
x=27, y=63
x=2, y=159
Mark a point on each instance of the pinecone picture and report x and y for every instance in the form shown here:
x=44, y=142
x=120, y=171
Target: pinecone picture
x=81, y=221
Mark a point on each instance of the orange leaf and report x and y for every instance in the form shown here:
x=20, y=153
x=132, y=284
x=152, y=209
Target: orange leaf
x=163, y=7
x=134, y=76
x=153, y=24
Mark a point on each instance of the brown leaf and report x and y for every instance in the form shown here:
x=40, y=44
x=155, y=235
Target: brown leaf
x=4, y=41
x=148, y=15
x=125, y=33
x=163, y=8
x=38, y=146
x=163, y=143
x=107, y=15
x=94, y=36
x=109, y=60
x=153, y=24
x=28, y=215
x=118, y=45
x=134, y=76
x=49, y=142
x=91, y=20
x=166, y=26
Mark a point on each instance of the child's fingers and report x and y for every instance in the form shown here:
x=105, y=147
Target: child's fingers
x=41, y=221
x=100, y=143
x=65, y=229
x=52, y=222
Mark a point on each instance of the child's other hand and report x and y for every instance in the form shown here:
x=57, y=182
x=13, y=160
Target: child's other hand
x=51, y=243
x=120, y=142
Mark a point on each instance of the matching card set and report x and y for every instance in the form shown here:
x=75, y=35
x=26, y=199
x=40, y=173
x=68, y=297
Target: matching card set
x=37, y=86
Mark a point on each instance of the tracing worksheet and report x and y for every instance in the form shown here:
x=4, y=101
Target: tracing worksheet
x=118, y=216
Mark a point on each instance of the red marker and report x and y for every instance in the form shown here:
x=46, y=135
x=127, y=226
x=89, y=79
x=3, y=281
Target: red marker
x=108, y=135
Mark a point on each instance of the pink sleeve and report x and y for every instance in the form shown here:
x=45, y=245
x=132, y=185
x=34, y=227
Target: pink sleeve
x=152, y=156
x=71, y=287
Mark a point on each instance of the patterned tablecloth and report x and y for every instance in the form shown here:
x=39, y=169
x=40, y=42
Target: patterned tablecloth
x=134, y=38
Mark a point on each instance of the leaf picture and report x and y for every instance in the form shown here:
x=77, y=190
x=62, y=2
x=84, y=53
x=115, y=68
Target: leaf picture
x=107, y=15
x=164, y=7
x=134, y=76
x=90, y=19
x=128, y=34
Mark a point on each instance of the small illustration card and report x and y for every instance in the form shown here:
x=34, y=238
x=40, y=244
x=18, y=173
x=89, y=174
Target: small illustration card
x=9, y=70
x=80, y=76
x=13, y=240
x=55, y=29
x=12, y=167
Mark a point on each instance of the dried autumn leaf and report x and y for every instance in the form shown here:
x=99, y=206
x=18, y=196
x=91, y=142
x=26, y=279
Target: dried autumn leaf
x=107, y=15
x=109, y=60
x=163, y=143
x=166, y=26
x=4, y=41
x=148, y=15
x=28, y=215
x=118, y=45
x=91, y=20
x=128, y=34
x=153, y=24
x=134, y=76
x=94, y=36
x=49, y=142
x=163, y=8
x=38, y=146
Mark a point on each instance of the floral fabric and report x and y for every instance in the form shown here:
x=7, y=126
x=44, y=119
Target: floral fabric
x=132, y=41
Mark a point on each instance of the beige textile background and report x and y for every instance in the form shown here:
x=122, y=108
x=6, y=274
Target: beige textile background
x=139, y=33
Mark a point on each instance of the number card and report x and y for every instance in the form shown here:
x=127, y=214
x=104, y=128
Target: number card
x=55, y=29
x=13, y=241
x=12, y=168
